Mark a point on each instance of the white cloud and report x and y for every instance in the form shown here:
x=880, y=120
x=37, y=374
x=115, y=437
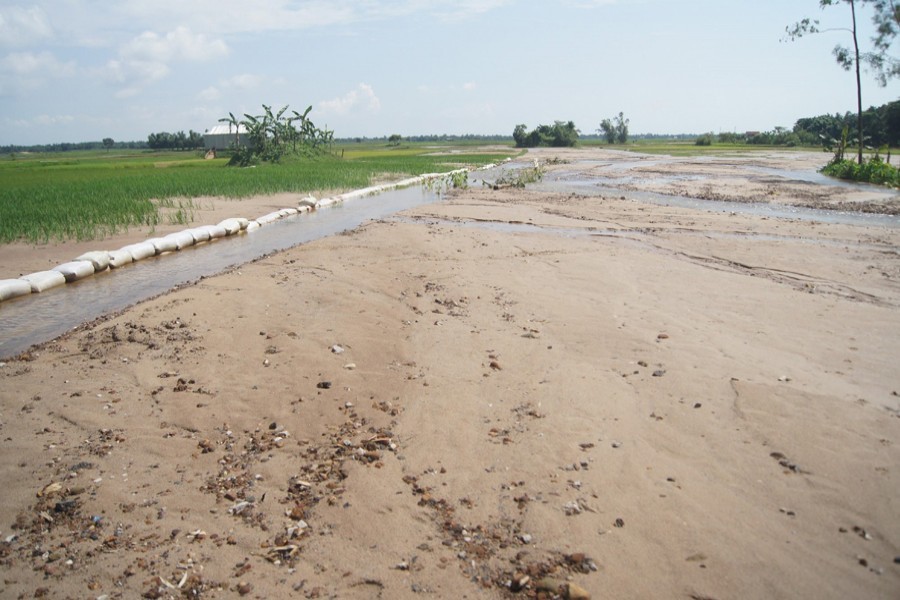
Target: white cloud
x=22, y=72
x=361, y=98
x=210, y=94
x=469, y=86
x=245, y=81
x=20, y=26
x=39, y=121
x=53, y=119
x=36, y=64
x=180, y=43
x=238, y=16
x=463, y=9
x=146, y=58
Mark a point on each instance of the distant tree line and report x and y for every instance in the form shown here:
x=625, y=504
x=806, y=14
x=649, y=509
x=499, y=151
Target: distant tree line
x=72, y=146
x=881, y=127
x=175, y=141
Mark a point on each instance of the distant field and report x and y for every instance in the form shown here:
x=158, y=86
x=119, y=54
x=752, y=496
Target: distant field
x=83, y=195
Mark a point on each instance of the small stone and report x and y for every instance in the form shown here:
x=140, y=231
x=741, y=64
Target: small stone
x=576, y=592
x=324, y=385
x=659, y=372
x=244, y=588
x=697, y=405
x=350, y=366
x=526, y=538
x=548, y=584
x=337, y=349
x=616, y=444
x=273, y=425
x=518, y=582
x=663, y=336
x=619, y=523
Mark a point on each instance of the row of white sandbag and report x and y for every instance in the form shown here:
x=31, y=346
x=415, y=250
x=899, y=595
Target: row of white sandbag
x=97, y=261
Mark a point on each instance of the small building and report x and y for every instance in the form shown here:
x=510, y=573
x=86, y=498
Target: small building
x=223, y=136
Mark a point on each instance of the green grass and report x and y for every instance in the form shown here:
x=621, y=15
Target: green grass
x=86, y=195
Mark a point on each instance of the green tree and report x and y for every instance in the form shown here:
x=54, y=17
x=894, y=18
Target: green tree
x=886, y=18
x=615, y=131
x=108, y=143
x=394, y=140
x=608, y=130
x=560, y=134
x=520, y=135
x=621, y=128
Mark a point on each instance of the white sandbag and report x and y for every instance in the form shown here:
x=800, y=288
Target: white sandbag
x=304, y=209
x=356, y=194
x=326, y=202
x=231, y=226
x=287, y=212
x=98, y=258
x=407, y=182
x=215, y=231
x=252, y=226
x=141, y=250
x=164, y=244
x=308, y=202
x=13, y=288
x=119, y=258
x=268, y=218
x=44, y=280
x=182, y=239
x=76, y=269
x=200, y=234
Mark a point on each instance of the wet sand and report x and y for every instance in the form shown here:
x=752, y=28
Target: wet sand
x=507, y=394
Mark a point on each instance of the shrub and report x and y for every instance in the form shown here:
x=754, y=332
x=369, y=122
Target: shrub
x=873, y=170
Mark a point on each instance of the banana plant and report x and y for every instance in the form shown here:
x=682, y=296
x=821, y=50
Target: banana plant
x=233, y=122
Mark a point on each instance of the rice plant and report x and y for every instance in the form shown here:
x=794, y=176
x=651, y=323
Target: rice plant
x=56, y=197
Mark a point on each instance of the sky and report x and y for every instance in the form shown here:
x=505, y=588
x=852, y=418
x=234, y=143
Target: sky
x=83, y=70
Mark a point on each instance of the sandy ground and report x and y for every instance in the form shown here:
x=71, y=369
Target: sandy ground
x=507, y=394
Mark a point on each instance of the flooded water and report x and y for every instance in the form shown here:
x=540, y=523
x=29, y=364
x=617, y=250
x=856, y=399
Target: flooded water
x=577, y=180
x=41, y=317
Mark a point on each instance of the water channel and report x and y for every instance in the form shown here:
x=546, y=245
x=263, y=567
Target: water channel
x=37, y=318
x=41, y=317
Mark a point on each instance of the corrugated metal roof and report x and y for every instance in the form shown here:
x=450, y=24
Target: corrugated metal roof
x=225, y=129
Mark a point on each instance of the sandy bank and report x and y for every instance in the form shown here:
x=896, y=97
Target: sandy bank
x=505, y=390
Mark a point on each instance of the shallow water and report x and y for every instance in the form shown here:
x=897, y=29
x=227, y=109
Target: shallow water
x=41, y=317
x=580, y=181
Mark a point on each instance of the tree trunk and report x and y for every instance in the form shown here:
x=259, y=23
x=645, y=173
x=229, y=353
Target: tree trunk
x=859, y=129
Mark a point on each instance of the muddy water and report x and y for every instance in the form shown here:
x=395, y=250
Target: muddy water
x=575, y=178
x=41, y=317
